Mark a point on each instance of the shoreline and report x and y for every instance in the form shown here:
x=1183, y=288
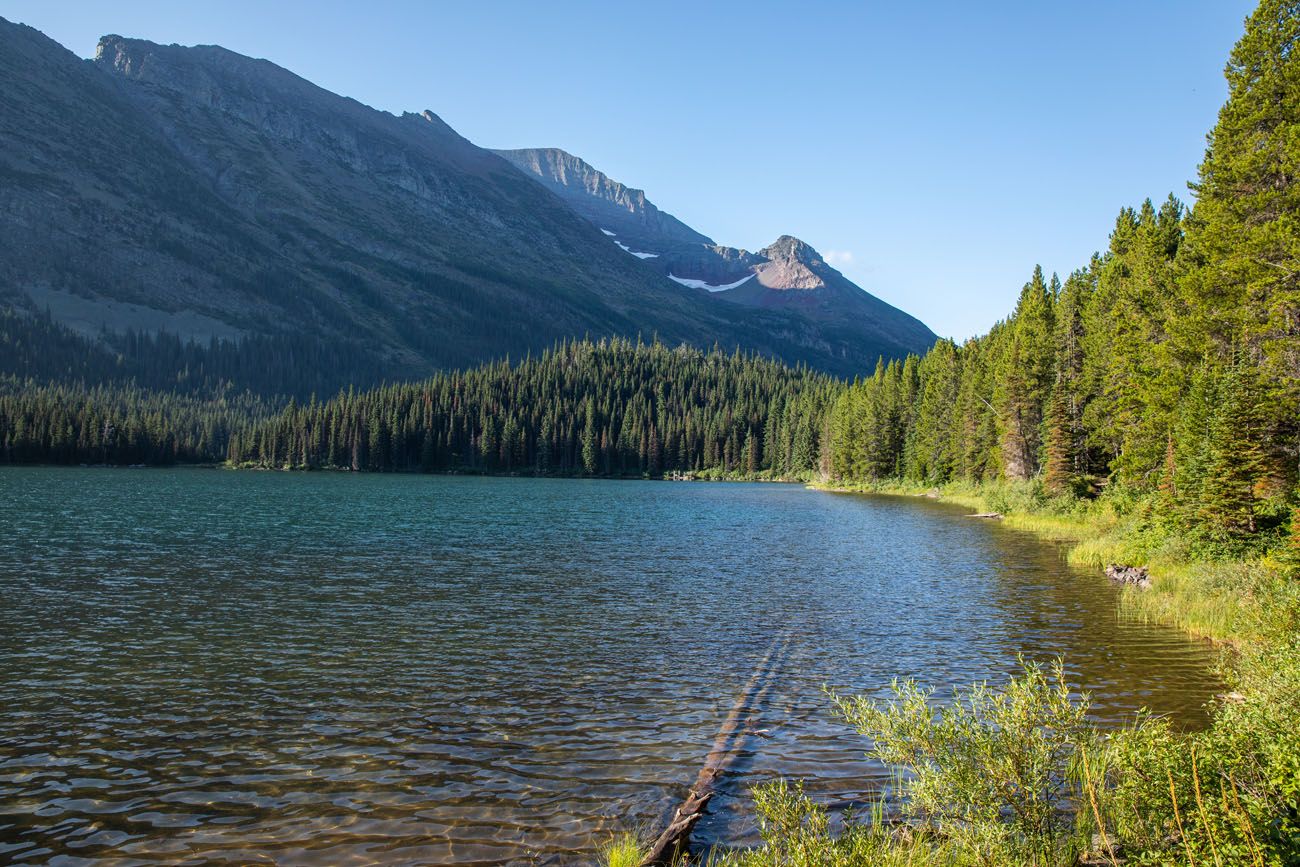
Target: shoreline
x=703, y=476
x=1177, y=595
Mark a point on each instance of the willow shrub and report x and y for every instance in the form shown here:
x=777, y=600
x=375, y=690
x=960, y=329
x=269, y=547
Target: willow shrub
x=1017, y=775
x=992, y=770
x=796, y=833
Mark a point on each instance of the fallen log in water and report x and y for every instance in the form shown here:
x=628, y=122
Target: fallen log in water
x=672, y=844
x=994, y=515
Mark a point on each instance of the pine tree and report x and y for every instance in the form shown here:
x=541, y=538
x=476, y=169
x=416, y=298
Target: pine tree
x=1242, y=290
x=1058, y=458
x=1070, y=361
x=1228, y=507
x=1169, y=476
x=590, y=452
x=1024, y=370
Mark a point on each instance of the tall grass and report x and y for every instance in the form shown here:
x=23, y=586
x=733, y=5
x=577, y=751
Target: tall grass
x=624, y=850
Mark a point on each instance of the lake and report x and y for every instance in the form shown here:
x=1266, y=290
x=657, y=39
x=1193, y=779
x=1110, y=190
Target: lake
x=326, y=668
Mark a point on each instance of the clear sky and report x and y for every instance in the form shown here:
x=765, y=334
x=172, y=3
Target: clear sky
x=933, y=151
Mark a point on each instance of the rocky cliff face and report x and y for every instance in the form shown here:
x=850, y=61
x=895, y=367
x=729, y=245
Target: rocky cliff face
x=788, y=275
x=625, y=212
x=790, y=264
x=197, y=191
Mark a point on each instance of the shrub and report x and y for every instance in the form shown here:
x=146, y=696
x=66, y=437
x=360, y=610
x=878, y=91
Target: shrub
x=796, y=833
x=992, y=770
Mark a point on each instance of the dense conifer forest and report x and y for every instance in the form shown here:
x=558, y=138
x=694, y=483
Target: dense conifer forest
x=117, y=425
x=610, y=408
x=1169, y=363
x=606, y=408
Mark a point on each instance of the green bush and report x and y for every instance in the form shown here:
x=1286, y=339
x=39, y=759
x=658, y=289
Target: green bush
x=623, y=851
x=796, y=833
x=993, y=770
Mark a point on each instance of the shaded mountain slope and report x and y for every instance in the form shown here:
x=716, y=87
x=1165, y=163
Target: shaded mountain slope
x=198, y=192
x=601, y=199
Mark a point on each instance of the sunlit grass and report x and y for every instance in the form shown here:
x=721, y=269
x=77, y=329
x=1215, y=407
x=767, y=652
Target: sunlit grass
x=623, y=851
x=1218, y=600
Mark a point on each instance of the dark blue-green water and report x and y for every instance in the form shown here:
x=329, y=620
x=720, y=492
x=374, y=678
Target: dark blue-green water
x=200, y=666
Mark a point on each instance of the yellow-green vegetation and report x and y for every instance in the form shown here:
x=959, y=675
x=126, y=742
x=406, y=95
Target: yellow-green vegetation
x=1027, y=737
x=623, y=851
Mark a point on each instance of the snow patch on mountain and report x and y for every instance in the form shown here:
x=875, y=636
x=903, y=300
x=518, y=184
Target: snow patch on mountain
x=700, y=284
x=634, y=252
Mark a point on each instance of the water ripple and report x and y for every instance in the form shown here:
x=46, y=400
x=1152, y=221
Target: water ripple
x=209, y=667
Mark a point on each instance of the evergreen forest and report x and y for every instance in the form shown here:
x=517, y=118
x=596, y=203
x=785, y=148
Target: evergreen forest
x=1145, y=408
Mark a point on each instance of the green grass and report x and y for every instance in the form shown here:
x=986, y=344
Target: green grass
x=623, y=851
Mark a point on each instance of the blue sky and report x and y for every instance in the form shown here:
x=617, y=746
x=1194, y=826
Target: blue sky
x=935, y=152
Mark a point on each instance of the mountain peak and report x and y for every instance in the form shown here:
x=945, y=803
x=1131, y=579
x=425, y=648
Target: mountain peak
x=212, y=75
x=430, y=121
x=792, y=264
x=790, y=247
x=113, y=50
x=129, y=56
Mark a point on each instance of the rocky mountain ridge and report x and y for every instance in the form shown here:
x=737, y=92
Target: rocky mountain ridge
x=619, y=209
x=788, y=275
x=195, y=191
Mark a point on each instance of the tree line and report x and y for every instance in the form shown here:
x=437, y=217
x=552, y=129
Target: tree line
x=609, y=408
x=72, y=423
x=1170, y=363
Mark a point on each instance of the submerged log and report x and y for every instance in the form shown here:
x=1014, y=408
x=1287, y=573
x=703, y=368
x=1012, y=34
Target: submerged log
x=671, y=845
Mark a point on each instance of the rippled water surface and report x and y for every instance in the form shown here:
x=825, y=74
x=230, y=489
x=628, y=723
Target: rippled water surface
x=202, y=666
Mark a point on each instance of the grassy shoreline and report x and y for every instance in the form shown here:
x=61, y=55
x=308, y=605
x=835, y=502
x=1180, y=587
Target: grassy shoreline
x=1227, y=600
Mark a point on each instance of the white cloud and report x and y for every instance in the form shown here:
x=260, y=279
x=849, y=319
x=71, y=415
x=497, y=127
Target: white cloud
x=838, y=258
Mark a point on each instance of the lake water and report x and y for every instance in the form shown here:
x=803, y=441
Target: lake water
x=199, y=665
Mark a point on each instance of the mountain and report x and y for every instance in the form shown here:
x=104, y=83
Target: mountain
x=601, y=199
x=196, y=192
x=789, y=275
